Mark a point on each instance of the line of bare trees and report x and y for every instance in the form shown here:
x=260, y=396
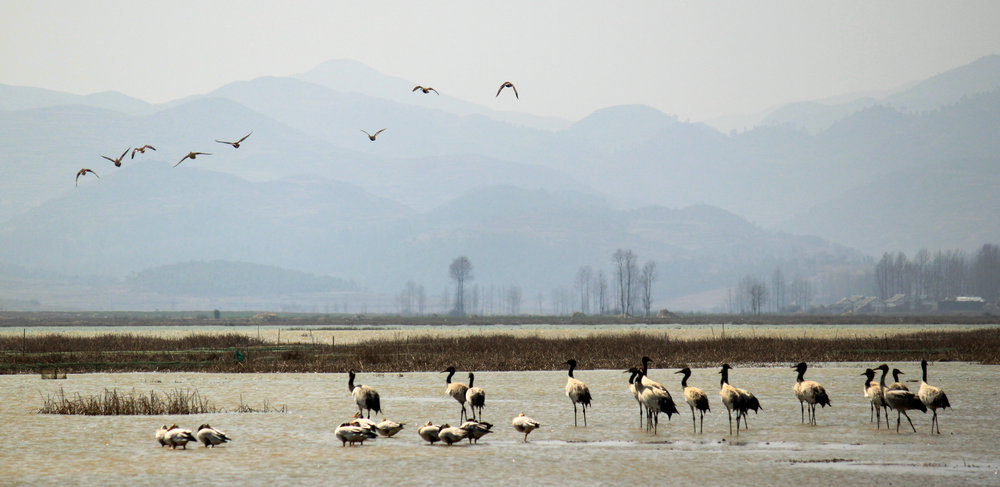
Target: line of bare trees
x=943, y=274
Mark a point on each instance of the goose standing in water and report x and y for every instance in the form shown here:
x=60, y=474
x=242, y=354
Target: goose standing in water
x=388, y=427
x=477, y=429
x=456, y=390
x=452, y=434
x=900, y=400
x=577, y=392
x=808, y=391
x=175, y=437
x=932, y=397
x=429, y=432
x=365, y=396
x=695, y=398
x=350, y=433
x=161, y=434
x=210, y=436
x=476, y=397
x=524, y=424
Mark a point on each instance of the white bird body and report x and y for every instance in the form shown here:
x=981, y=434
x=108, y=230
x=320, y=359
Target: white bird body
x=178, y=437
x=456, y=390
x=388, y=427
x=577, y=392
x=476, y=429
x=524, y=424
x=162, y=432
x=476, y=397
x=932, y=397
x=429, y=432
x=210, y=436
x=695, y=398
x=809, y=392
x=900, y=400
x=365, y=397
x=350, y=433
x=452, y=434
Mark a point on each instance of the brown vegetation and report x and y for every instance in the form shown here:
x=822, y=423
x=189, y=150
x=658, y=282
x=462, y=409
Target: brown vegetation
x=239, y=353
x=113, y=403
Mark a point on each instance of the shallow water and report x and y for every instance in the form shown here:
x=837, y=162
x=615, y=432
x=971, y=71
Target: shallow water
x=298, y=447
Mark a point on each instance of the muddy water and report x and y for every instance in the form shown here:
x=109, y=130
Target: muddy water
x=298, y=447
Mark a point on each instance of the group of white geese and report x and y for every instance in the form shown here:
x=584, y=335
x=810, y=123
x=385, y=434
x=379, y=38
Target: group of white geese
x=653, y=399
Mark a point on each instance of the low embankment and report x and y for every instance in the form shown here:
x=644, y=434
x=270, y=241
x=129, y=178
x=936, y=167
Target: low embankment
x=240, y=353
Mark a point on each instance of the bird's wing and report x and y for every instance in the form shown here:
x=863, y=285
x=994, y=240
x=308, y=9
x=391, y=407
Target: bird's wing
x=366, y=133
x=223, y=142
x=182, y=160
x=515, y=91
x=435, y=91
x=380, y=131
x=202, y=153
x=108, y=158
x=123, y=153
x=244, y=137
x=134, y=151
x=498, y=91
x=418, y=87
x=150, y=147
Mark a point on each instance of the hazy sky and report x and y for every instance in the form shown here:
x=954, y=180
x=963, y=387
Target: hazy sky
x=698, y=59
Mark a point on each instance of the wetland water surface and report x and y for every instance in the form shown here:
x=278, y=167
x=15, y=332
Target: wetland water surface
x=298, y=447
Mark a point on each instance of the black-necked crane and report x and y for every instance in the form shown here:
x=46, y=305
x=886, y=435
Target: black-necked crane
x=932, y=397
x=476, y=397
x=632, y=380
x=365, y=396
x=655, y=397
x=577, y=392
x=236, y=145
x=117, y=162
x=83, y=172
x=900, y=400
x=734, y=398
x=695, y=398
x=809, y=392
x=873, y=391
x=524, y=424
x=456, y=390
x=897, y=385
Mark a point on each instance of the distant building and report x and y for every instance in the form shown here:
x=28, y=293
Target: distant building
x=858, y=304
x=961, y=304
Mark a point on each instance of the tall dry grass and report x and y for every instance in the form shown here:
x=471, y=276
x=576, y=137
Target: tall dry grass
x=488, y=352
x=114, y=403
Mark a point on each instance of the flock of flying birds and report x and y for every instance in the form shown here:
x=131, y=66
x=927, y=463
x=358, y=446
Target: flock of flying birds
x=652, y=397
x=193, y=155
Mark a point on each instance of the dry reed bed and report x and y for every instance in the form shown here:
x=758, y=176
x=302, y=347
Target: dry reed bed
x=210, y=353
x=114, y=403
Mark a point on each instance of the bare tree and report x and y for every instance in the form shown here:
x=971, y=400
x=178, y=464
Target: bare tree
x=986, y=272
x=646, y=277
x=584, y=278
x=801, y=292
x=754, y=291
x=778, y=289
x=601, y=291
x=460, y=270
x=626, y=273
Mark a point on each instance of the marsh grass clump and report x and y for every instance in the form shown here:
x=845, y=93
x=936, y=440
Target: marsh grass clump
x=114, y=403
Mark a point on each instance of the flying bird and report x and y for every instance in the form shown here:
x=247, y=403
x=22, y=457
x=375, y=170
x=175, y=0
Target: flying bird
x=508, y=84
x=425, y=90
x=117, y=162
x=83, y=172
x=193, y=156
x=372, y=136
x=236, y=145
x=141, y=150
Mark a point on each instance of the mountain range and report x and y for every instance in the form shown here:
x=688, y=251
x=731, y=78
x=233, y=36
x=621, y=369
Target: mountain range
x=528, y=199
